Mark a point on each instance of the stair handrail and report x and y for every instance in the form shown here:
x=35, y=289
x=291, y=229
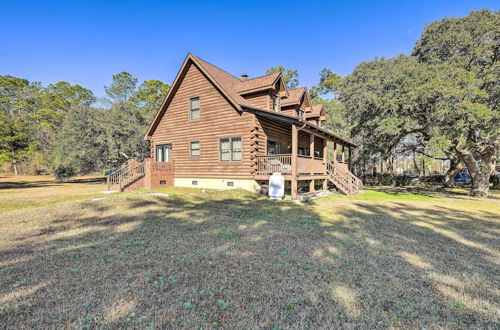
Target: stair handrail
x=131, y=174
x=345, y=177
x=118, y=176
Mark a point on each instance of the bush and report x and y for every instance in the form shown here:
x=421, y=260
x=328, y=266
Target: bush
x=63, y=172
x=389, y=179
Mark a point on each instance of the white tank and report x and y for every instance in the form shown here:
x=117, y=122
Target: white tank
x=276, y=186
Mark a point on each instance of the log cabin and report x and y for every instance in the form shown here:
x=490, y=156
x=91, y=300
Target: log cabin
x=214, y=130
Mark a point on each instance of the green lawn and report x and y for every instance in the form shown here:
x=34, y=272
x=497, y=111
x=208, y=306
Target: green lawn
x=209, y=259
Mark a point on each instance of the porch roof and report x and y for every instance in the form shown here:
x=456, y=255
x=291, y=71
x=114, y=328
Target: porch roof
x=284, y=118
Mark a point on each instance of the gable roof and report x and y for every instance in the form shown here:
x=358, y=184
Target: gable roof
x=232, y=88
x=316, y=111
x=255, y=84
x=294, y=96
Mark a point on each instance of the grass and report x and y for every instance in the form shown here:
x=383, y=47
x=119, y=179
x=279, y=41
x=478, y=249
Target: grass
x=388, y=258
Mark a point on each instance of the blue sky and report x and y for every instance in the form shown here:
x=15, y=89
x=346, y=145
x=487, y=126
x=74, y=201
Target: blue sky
x=86, y=42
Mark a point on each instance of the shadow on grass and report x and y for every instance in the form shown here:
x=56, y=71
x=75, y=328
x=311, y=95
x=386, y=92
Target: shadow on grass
x=232, y=259
x=49, y=182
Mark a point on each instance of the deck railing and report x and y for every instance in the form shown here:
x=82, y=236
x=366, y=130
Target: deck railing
x=310, y=165
x=306, y=165
x=269, y=164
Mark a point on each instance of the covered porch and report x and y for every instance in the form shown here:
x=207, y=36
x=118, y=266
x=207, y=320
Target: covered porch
x=311, y=154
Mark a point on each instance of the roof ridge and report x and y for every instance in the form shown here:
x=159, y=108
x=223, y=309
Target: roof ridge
x=215, y=66
x=264, y=75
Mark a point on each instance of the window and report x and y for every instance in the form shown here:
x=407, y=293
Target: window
x=300, y=114
x=276, y=105
x=230, y=149
x=304, y=151
x=163, y=152
x=194, y=108
x=194, y=149
x=273, y=147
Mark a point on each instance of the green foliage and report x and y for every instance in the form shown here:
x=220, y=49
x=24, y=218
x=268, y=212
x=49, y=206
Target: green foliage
x=60, y=126
x=291, y=77
x=122, y=87
x=62, y=172
x=82, y=140
x=443, y=99
x=149, y=96
x=15, y=143
x=328, y=84
x=59, y=97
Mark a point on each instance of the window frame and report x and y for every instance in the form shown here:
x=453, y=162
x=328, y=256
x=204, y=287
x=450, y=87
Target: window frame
x=231, y=150
x=277, y=143
x=190, y=104
x=191, y=149
x=163, y=147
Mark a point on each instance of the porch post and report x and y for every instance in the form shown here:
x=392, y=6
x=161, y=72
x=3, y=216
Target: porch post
x=311, y=153
x=334, y=152
x=295, y=140
x=147, y=173
x=350, y=155
x=325, y=161
x=343, y=154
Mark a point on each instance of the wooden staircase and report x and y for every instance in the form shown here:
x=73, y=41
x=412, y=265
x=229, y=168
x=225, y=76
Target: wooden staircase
x=126, y=175
x=343, y=179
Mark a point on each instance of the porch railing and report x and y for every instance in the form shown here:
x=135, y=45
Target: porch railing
x=310, y=165
x=306, y=165
x=269, y=164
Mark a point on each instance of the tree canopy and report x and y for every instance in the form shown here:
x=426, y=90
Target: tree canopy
x=442, y=99
x=291, y=77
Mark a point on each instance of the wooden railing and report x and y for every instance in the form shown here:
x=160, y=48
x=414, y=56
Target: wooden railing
x=308, y=165
x=269, y=164
x=126, y=175
x=344, y=179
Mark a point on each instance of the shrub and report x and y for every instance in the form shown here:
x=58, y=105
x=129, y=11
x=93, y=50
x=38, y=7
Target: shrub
x=64, y=172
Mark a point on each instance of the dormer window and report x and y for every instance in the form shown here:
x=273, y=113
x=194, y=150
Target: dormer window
x=275, y=104
x=300, y=114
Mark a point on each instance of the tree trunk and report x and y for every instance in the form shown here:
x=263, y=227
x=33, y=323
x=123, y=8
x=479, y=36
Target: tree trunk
x=16, y=172
x=480, y=162
x=449, y=177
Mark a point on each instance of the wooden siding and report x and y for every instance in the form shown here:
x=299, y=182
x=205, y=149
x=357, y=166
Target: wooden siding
x=260, y=100
x=290, y=110
x=218, y=119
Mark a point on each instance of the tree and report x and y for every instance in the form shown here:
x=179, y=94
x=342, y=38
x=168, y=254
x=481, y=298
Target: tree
x=18, y=97
x=122, y=87
x=82, y=141
x=291, y=77
x=400, y=100
x=124, y=128
x=62, y=95
x=149, y=96
x=471, y=44
x=15, y=143
x=328, y=83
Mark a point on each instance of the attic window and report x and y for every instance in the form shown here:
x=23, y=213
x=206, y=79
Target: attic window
x=194, y=108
